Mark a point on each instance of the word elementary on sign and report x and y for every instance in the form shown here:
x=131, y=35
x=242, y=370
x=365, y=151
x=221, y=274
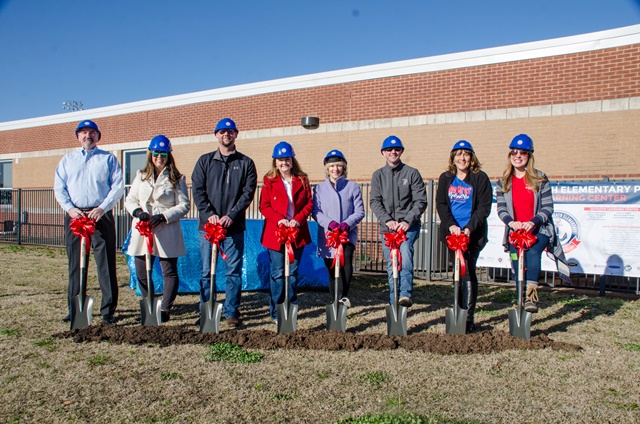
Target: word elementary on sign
x=593, y=193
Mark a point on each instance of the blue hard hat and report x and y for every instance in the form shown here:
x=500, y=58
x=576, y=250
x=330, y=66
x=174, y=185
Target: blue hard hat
x=160, y=143
x=225, y=123
x=391, y=141
x=462, y=144
x=334, y=156
x=283, y=150
x=88, y=124
x=522, y=141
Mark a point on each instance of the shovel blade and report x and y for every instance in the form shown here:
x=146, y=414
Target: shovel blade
x=396, y=320
x=287, y=317
x=456, y=320
x=210, y=314
x=150, y=312
x=337, y=317
x=520, y=323
x=81, y=312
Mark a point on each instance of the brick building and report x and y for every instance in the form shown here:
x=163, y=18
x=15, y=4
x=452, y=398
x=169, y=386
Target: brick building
x=578, y=98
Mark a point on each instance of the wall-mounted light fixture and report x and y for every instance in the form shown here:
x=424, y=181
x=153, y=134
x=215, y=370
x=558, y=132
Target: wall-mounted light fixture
x=310, y=122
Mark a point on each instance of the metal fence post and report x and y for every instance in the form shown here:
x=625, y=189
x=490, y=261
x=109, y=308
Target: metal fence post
x=18, y=230
x=428, y=265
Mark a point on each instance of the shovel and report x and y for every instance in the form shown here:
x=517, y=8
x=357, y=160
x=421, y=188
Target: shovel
x=456, y=317
x=211, y=311
x=336, y=312
x=82, y=305
x=150, y=305
x=519, y=319
x=287, y=311
x=396, y=314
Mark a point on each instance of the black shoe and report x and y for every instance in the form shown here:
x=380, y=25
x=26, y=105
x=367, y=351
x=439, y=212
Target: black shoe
x=197, y=323
x=67, y=318
x=471, y=327
x=405, y=301
x=109, y=319
x=165, y=316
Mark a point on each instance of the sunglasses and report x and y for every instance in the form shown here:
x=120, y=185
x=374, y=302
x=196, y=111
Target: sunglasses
x=515, y=152
x=161, y=154
x=226, y=130
x=394, y=149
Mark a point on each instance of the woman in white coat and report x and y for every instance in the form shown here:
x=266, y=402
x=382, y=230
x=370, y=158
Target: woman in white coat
x=159, y=195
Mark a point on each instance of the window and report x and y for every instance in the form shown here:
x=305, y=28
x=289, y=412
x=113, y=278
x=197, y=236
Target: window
x=6, y=181
x=134, y=160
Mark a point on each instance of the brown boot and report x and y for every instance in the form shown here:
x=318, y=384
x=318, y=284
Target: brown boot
x=531, y=300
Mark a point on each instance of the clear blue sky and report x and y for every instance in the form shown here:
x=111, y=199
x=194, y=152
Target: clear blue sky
x=107, y=52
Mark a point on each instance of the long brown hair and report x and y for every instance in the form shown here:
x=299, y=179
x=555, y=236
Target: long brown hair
x=531, y=177
x=296, y=170
x=474, y=165
x=149, y=169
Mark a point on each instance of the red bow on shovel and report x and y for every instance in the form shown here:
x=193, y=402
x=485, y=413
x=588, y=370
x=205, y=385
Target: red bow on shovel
x=215, y=233
x=336, y=239
x=83, y=227
x=393, y=242
x=459, y=244
x=522, y=240
x=287, y=235
x=145, y=230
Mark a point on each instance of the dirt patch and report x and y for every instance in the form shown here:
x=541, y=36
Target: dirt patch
x=445, y=344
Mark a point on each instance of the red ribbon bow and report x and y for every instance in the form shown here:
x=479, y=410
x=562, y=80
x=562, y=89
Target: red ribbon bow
x=336, y=239
x=393, y=241
x=286, y=236
x=459, y=244
x=215, y=233
x=522, y=240
x=83, y=227
x=145, y=230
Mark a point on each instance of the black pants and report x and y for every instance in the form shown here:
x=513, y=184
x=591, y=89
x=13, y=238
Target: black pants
x=346, y=272
x=468, y=293
x=103, y=244
x=169, y=274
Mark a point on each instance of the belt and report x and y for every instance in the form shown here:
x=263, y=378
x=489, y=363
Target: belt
x=87, y=209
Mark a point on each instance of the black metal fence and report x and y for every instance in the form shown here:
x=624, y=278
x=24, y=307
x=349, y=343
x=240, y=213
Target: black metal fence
x=33, y=217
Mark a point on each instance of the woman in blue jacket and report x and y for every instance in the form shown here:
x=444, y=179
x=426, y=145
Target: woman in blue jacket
x=463, y=201
x=337, y=203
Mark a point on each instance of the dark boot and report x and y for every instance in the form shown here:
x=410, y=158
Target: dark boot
x=469, y=299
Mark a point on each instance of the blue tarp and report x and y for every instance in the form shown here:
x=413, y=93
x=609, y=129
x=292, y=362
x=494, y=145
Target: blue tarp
x=255, y=271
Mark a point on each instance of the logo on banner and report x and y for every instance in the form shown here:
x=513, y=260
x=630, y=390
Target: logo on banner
x=567, y=231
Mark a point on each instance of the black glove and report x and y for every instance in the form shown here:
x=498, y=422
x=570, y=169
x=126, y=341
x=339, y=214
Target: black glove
x=142, y=216
x=156, y=219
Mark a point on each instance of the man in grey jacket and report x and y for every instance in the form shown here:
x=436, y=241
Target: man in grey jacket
x=223, y=185
x=398, y=199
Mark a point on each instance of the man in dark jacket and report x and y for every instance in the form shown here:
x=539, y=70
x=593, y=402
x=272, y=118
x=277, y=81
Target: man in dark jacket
x=398, y=199
x=223, y=184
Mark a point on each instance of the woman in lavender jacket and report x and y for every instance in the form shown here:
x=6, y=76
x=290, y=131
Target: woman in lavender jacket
x=337, y=203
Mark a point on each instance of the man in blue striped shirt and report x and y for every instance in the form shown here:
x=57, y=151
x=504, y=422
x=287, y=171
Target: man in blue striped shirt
x=88, y=182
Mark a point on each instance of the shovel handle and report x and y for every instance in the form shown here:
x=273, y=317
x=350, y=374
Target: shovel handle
x=520, y=282
x=456, y=270
x=214, y=260
x=394, y=263
x=83, y=253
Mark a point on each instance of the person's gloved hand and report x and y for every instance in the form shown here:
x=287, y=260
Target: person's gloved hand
x=156, y=219
x=142, y=216
x=333, y=225
x=344, y=227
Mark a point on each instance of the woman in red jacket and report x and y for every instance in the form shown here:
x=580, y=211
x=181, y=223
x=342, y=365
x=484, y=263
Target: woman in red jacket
x=285, y=201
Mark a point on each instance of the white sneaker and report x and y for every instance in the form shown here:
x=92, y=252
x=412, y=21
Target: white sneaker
x=345, y=301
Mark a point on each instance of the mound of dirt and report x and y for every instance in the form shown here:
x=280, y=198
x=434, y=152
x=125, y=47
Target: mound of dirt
x=482, y=342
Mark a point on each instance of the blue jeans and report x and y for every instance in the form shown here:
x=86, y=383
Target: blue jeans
x=277, y=278
x=233, y=247
x=405, y=276
x=532, y=260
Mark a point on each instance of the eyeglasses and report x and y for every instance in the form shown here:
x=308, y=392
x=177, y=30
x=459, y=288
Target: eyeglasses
x=393, y=149
x=515, y=152
x=161, y=154
x=226, y=130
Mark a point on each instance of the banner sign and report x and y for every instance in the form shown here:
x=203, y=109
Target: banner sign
x=597, y=223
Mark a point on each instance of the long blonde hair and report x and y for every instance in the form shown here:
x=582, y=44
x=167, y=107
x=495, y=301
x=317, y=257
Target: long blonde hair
x=474, y=165
x=531, y=177
x=296, y=170
x=149, y=169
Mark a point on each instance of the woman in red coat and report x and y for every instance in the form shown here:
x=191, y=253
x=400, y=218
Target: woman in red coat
x=285, y=201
